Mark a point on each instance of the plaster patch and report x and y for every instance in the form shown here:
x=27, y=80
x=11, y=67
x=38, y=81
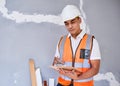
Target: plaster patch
x=21, y=17
x=109, y=77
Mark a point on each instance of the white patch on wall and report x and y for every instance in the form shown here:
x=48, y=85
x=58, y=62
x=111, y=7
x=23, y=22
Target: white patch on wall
x=55, y=19
x=21, y=17
x=108, y=77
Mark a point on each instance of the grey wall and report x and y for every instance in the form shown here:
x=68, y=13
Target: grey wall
x=20, y=41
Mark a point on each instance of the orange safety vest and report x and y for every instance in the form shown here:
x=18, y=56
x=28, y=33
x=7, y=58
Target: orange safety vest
x=82, y=59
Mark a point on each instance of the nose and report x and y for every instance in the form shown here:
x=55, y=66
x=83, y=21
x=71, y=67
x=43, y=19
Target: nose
x=70, y=26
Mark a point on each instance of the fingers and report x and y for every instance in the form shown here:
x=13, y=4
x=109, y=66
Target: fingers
x=57, y=61
x=54, y=61
x=61, y=71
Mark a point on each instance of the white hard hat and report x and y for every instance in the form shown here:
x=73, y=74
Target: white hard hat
x=69, y=12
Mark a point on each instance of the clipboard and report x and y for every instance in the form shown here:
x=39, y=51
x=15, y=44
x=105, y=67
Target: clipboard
x=78, y=72
x=63, y=67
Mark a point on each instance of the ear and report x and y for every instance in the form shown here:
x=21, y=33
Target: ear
x=80, y=20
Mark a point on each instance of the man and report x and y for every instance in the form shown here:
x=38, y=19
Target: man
x=77, y=50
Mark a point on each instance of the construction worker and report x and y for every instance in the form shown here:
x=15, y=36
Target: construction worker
x=78, y=50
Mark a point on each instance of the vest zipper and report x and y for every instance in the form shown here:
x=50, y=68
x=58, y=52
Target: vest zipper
x=74, y=55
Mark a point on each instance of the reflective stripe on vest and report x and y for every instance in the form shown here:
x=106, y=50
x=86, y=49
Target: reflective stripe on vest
x=84, y=80
x=81, y=64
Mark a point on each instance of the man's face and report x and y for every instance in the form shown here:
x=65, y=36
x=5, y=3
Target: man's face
x=73, y=26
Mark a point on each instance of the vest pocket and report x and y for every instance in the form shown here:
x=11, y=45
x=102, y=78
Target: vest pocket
x=84, y=53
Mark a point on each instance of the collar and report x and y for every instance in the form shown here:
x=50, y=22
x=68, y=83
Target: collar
x=79, y=35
